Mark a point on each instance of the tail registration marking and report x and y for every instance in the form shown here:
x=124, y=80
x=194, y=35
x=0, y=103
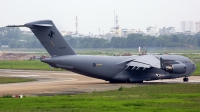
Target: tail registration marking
x=52, y=43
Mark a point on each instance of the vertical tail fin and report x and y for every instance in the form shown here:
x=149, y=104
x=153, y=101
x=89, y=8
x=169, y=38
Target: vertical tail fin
x=50, y=38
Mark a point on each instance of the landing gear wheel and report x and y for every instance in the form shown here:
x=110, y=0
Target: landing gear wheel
x=185, y=79
x=139, y=82
x=128, y=81
x=113, y=81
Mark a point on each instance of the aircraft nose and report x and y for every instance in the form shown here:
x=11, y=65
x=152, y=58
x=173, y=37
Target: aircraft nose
x=194, y=66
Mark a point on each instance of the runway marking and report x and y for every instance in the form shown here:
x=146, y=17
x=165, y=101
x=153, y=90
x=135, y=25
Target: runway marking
x=37, y=72
x=42, y=82
x=24, y=75
x=59, y=73
x=163, y=81
x=14, y=72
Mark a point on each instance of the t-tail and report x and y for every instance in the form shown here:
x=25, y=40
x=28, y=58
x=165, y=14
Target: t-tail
x=50, y=37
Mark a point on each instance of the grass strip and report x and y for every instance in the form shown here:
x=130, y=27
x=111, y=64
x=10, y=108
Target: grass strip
x=25, y=65
x=4, y=80
x=158, y=97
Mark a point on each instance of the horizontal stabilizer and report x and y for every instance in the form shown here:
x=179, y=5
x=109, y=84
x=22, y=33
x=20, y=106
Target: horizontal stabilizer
x=45, y=25
x=16, y=26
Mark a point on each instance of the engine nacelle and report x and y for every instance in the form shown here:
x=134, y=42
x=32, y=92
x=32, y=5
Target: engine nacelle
x=176, y=68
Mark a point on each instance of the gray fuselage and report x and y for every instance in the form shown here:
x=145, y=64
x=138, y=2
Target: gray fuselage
x=106, y=67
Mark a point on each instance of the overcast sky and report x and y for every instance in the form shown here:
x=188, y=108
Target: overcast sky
x=95, y=14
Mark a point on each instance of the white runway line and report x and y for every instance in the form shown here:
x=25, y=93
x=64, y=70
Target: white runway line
x=14, y=72
x=63, y=74
x=24, y=75
x=18, y=72
x=39, y=82
x=66, y=79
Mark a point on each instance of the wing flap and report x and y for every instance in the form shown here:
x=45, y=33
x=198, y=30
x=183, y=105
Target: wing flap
x=136, y=64
x=125, y=61
x=151, y=60
x=144, y=62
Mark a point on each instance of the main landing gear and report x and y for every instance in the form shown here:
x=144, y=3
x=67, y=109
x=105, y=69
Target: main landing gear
x=185, y=79
x=128, y=81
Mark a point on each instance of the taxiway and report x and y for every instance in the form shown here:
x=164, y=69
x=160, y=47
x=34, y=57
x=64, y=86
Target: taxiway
x=64, y=82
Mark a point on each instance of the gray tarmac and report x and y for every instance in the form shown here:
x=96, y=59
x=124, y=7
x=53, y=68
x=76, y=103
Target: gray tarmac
x=65, y=82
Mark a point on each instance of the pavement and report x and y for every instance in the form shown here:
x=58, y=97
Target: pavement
x=65, y=82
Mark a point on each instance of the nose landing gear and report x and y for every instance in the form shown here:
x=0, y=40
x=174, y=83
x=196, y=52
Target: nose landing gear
x=185, y=79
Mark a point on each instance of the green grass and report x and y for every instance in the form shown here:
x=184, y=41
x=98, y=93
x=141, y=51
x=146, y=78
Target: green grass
x=25, y=65
x=135, y=50
x=4, y=80
x=156, y=98
x=110, y=51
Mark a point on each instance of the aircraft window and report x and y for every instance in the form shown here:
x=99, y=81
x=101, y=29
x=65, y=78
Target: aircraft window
x=185, y=62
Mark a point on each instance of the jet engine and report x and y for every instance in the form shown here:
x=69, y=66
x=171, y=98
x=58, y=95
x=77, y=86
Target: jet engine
x=176, y=68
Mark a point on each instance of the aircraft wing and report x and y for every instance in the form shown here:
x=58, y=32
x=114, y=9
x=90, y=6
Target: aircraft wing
x=143, y=62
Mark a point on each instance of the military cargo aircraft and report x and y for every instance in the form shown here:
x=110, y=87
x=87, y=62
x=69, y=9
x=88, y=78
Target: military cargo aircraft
x=115, y=69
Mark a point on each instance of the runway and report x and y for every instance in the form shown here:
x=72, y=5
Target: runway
x=65, y=82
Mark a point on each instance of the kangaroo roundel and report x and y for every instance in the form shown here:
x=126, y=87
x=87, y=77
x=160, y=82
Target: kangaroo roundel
x=51, y=34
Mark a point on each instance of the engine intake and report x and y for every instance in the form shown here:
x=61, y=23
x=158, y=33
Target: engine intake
x=176, y=68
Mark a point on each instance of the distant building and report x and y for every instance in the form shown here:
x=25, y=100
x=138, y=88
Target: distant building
x=179, y=32
x=63, y=33
x=171, y=30
x=189, y=33
x=197, y=26
x=151, y=31
x=27, y=32
x=116, y=31
x=4, y=46
x=167, y=31
x=187, y=26
x=22, y=40
x=126, y=32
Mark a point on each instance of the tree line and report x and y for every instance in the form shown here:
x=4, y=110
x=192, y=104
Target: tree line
x=15, y=38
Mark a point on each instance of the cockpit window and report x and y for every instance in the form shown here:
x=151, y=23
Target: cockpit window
x=189, y=61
